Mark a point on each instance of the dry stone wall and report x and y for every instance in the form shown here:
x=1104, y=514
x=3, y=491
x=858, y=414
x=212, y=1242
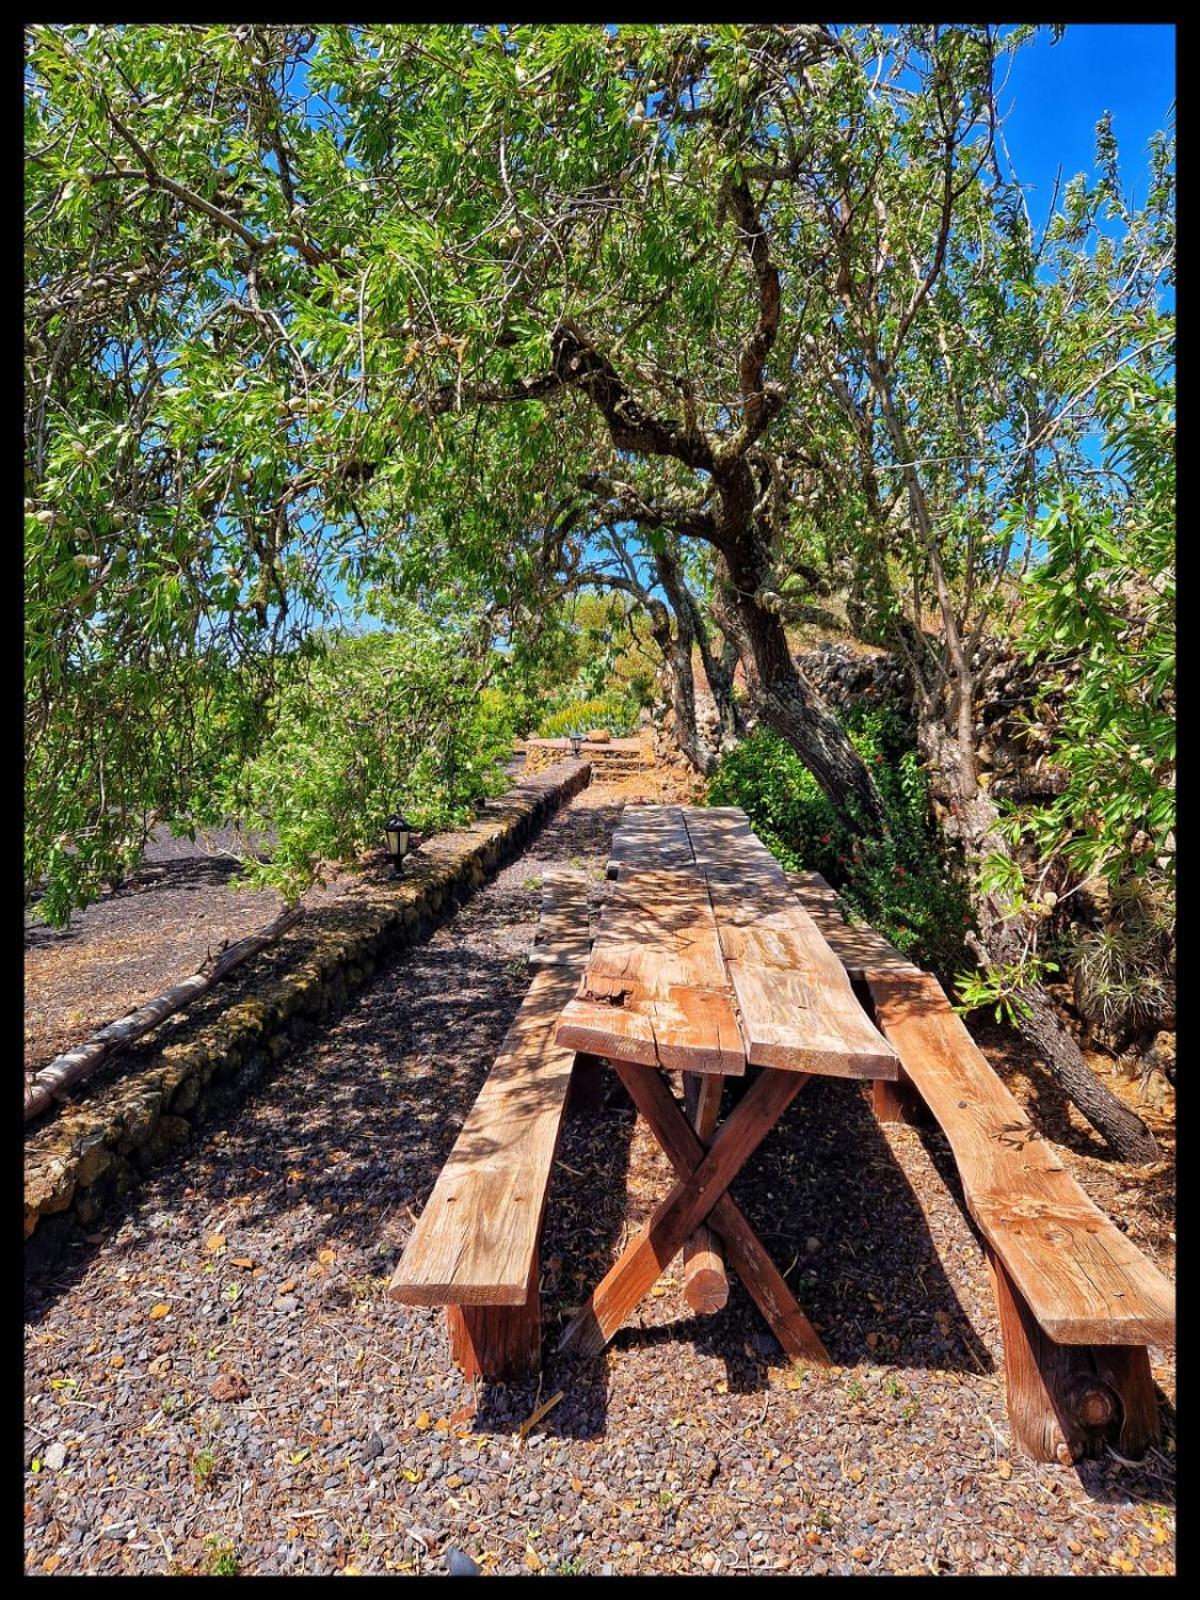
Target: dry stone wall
x=144, y=1106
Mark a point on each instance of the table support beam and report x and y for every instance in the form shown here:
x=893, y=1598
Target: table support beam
x=699, y=1194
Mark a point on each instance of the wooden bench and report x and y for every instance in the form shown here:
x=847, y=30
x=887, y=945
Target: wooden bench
x=1078, y=1302
x=475, y=1248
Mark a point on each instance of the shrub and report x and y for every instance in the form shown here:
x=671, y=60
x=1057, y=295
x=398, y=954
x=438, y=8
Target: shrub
x=904, y=884
x=618, y=713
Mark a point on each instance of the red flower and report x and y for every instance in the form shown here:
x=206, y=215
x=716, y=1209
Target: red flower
x=824, y=838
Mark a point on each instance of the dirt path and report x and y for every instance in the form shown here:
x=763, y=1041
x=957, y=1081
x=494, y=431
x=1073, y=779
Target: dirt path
x=258, y=1268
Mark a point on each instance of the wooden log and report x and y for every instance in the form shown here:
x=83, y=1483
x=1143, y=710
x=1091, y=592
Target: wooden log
x=705, y=1281
x=53, y=1081
x=503, y=1343
x=1065, y=1401
x=657, y=1242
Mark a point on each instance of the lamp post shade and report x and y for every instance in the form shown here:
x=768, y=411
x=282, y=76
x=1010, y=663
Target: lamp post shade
x=576, y=739
x=397, y=829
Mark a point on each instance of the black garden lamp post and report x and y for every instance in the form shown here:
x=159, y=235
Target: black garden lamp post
x=576, y=739
x=397, y=829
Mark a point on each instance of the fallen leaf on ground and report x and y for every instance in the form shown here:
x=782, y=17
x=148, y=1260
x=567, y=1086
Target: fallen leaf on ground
x=158, y=1312
x=535, y=1417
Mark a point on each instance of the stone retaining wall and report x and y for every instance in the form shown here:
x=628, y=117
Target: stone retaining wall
x=618, y=758
x=135, y=1112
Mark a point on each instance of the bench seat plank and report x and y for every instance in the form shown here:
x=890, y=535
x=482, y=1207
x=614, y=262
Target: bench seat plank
x=478, y=1234
x=1084, y=1280
x=650, y=837
x=561, y=938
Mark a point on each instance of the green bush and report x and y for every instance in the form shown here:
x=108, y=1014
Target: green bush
x=618, y=713
x=903, y=885
x=382, y=720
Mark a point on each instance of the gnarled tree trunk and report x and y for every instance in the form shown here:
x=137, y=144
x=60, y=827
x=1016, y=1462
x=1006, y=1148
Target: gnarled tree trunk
x=973, y=822
x=787, y=703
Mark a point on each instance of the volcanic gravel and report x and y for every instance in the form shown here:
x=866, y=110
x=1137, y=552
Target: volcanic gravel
x=220, y=1383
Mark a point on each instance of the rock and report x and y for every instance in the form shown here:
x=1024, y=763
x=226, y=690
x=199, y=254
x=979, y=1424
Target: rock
x=460, y=1565
x=372, y=1448
x=55, y=1457
x=287, y=1302
x=230, y=1386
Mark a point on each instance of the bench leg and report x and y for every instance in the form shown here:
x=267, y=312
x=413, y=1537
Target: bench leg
x=1067, y=1401
x=500, y=1342
x=705, y=1281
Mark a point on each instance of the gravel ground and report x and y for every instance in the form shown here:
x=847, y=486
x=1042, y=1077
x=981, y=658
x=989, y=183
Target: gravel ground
x=137, y=940
x=222, y=1385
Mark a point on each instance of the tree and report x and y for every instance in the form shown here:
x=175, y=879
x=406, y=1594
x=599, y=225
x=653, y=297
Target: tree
x=428, y=305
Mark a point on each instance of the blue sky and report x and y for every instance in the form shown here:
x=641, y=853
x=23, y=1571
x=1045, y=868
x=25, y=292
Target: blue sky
x=1057, y=93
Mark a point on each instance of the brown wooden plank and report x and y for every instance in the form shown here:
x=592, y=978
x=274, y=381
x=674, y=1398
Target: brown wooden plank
x=796, y=1008
x=689, y=1202
x=705, y=1281
x=1083, y=1280
x=562, y=937
x=650, y=838
x=655, y=989
x=861, y=950
x=478, y=1233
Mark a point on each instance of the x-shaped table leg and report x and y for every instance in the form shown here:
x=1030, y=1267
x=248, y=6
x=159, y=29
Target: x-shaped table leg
x=699, y=1193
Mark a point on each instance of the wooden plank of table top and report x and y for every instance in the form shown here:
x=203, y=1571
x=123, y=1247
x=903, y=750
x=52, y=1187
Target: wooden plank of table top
x=655, y=990
x=478, y=1234
x=1083, y=1279
x=861, y=950
x=649, y=838
x=795, y=1004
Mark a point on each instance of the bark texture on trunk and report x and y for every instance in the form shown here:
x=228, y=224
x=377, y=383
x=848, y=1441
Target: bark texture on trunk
x=789, y=705
x=974, y=824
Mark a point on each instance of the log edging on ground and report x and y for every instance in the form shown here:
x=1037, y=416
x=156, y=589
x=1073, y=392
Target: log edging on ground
x=99, y=1146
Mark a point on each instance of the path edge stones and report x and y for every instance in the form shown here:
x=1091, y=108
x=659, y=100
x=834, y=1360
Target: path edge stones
x=79, y=1158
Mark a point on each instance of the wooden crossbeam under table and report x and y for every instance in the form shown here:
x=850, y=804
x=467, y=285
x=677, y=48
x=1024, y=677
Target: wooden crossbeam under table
x=699, y=1195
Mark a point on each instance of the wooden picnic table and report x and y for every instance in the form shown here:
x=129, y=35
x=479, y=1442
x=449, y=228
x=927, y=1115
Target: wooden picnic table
x=705, y=962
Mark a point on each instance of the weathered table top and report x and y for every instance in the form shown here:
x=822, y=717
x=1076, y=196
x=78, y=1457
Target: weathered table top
x=705, y=960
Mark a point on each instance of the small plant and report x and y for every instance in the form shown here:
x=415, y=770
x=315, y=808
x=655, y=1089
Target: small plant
x=569, y=1567
x=909, y=1410
x=665, y=1500
x=822, y=1519
x=204, y=1464
x=532, y=884
x=223, y=1563
x=855, y=1390
x=893, y=1386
